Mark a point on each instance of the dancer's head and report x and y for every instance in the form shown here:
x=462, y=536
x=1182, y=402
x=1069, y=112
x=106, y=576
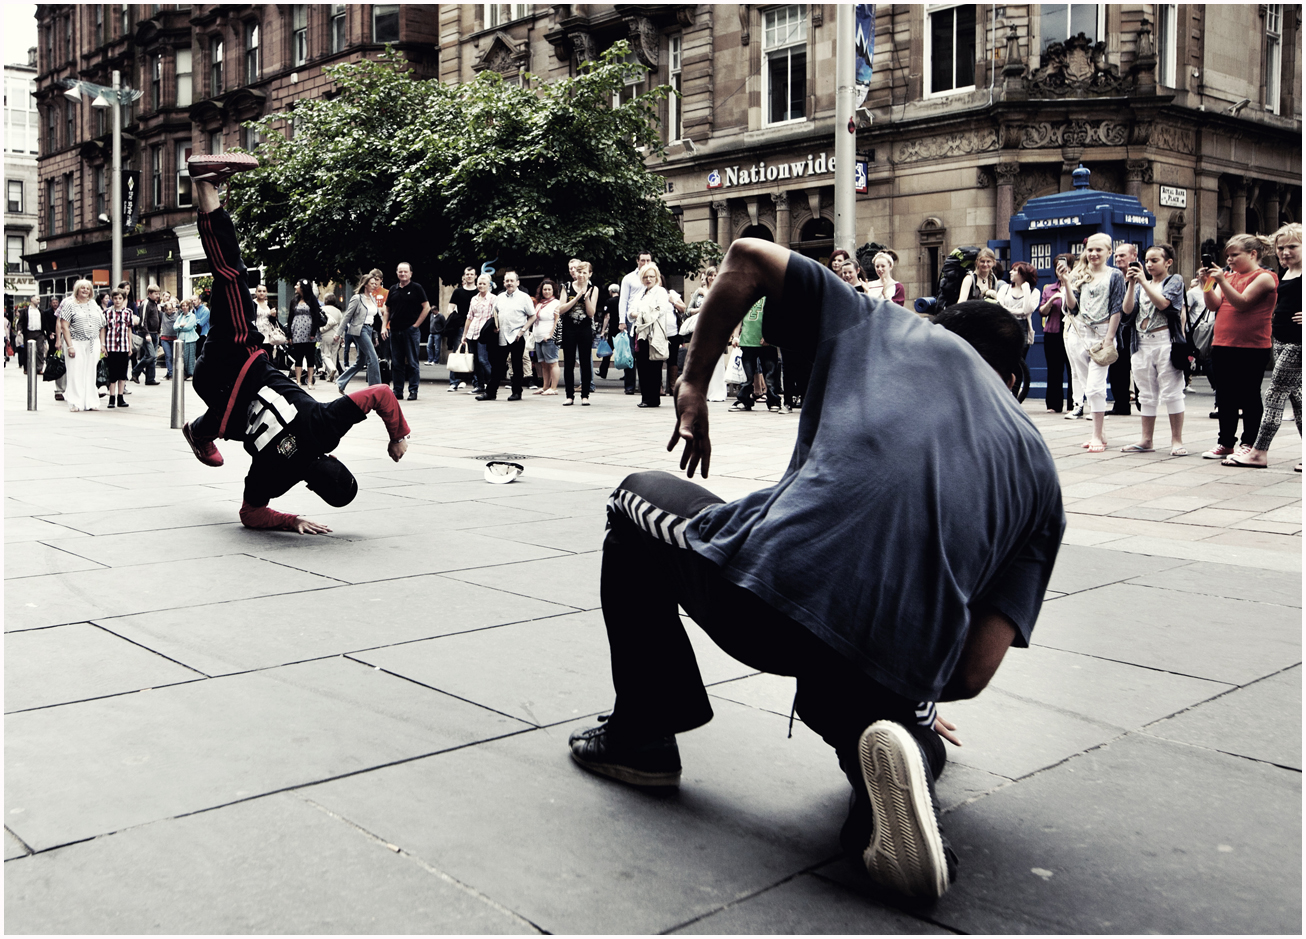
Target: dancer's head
x=331, y=480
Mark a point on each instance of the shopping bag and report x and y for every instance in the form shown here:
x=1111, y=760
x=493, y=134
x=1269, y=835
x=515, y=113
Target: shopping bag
x=462, y=361
x=102, y=372
x=604, y=348
x=622, y=357
x=735, y=373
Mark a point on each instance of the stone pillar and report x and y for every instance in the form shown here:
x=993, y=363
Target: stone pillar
x=723, y=226
x=1238, y=206
x=1137, y=172
x=1273, y=198
x=1006, y=173
x=783, y=235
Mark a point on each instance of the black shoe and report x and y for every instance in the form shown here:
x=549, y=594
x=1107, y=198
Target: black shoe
x=137, y=379
x=153, y=383
x=112, y=401
x=122, y=402
x=906, y=852
x=514, y=397
x=645, y=404
x=485, y=397
x=1214, y=415
x=412, y=397
x=649, y=764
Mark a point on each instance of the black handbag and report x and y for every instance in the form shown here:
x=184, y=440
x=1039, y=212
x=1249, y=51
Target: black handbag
x=55, y=367
x=102, y=373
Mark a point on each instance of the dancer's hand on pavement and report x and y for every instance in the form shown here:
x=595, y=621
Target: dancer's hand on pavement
x=945, y=730
x=397, y=448
x=691, y=427
x=305, y=527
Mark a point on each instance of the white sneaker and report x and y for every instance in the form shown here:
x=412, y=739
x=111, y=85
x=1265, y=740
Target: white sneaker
x=453, y=388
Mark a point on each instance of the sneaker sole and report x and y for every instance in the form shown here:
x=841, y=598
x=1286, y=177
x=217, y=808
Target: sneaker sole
x=626, y=774
x=906, y=850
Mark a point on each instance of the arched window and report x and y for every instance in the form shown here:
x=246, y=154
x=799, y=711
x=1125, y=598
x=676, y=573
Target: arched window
x=757, y=231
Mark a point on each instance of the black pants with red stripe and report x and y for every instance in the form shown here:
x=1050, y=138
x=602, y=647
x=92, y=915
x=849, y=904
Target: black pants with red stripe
x=659, y=688
x=233, y=336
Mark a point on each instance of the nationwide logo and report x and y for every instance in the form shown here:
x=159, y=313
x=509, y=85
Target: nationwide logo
x=714, y=179
x=760, y=172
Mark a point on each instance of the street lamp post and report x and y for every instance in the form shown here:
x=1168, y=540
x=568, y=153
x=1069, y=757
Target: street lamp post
x=114, y=97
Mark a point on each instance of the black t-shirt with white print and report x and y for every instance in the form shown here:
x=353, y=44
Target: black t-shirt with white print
x=286, y=431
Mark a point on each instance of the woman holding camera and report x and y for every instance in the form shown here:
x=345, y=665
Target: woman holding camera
x=1054, y=335
x=1153, y=299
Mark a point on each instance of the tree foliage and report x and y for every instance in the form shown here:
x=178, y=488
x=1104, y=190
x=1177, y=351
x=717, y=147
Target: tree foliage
x=447, y=175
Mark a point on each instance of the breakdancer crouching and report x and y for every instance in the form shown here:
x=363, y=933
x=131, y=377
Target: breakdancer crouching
x=288, y=434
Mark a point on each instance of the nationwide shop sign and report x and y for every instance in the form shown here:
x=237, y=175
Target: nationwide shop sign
x=761, y=172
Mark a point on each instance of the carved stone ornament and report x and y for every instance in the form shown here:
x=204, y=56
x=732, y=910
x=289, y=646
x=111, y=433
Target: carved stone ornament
x=1008, y=173
x=1140, y=170
x=721, y=207
x=644, y=39
x=781, y=201
x=1034, y=181
x=1077, y=68
x=1074, y=134
x=583, y=46
x=982, y=178
x=1173, y=138
x=743, y=24
x=503, y=56
x=957, y=144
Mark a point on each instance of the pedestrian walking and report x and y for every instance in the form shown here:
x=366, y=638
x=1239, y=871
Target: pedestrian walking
x=759, y=358
x=455, y=323
x=359, y=315
x=151, y=317
x=609, y=316
x=329, y=339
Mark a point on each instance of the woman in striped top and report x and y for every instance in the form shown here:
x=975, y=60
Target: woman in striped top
x=81, y=323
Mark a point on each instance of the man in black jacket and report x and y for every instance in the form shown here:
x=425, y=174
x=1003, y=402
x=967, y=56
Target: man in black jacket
x=151, y=322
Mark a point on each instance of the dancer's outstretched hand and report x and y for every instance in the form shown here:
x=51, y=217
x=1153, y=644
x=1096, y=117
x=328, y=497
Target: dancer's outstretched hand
x=306, y=527
x=691, y=427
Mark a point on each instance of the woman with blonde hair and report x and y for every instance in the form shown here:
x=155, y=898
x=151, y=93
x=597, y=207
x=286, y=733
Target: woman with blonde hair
x=1285, y=332
x=653, y=319
x=81, y=324
x=885, y=287
x=1244, y=303
x=982, y=283
x=357, y=325
x=1095, y=303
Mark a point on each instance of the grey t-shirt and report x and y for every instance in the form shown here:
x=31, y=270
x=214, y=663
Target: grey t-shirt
x=918, y=491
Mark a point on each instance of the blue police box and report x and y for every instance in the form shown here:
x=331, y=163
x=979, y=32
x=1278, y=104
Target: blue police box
x=1050, y=225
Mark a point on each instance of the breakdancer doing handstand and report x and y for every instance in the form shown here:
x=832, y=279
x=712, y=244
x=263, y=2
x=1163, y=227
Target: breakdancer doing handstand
x=288, y=434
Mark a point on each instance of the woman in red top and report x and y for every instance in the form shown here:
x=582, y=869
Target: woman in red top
x=1244, y=300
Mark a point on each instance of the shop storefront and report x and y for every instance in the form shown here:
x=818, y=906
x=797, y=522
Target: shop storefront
x=149, y=258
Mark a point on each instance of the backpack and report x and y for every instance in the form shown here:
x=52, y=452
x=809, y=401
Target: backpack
x=959, y=263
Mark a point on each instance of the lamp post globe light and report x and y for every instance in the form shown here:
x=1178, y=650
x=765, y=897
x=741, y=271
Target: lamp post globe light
x=114, y=97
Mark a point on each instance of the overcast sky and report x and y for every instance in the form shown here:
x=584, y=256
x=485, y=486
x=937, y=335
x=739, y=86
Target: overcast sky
x=20, y=31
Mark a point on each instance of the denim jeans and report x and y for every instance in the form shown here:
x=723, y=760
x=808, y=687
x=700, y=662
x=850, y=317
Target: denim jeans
x=167, y=353
x=484, y=366
x=433, y=348
x=344, y=349
x=404, y=359
x=366, y=358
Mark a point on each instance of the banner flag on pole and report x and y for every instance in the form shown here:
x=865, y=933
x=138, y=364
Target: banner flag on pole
x=864, y=50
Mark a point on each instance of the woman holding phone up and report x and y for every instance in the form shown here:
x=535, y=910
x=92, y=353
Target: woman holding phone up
x=1153, y=299
x=1054, y=336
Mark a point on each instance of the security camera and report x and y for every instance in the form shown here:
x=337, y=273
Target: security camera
x=1235, y=108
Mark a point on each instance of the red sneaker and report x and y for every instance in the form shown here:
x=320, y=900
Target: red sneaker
x=204, y=450
x=219, y=167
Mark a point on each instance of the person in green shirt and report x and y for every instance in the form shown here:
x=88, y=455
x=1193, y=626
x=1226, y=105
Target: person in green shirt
x=757, y=357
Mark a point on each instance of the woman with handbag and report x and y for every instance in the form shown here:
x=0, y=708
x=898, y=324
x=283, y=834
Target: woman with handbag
x=1244, y=299
x=577, y=314
x=653, y=319
x=1153, y=304
x=357, y=325
x=480, y=332
x=541, y=325
x=1095, y=302
x=305, y=321
x=81, y=326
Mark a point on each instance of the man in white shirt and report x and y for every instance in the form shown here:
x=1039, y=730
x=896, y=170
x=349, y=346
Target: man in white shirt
x=512, y=308
x=630, y=288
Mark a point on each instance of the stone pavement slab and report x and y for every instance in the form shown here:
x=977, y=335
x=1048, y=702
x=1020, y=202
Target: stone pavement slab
x=369, y=730
x=576, y=853
x=78, y=662
x=132, y=759
x=272, y=865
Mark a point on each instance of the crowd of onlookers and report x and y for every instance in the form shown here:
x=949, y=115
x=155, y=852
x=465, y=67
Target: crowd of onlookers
x=1108, y=318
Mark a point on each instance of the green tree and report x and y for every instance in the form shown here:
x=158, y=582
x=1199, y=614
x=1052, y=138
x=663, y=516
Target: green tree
x=446, y=175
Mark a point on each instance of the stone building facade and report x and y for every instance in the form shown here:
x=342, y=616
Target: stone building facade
x=971, y=111
x=21, y=180
x=204, y=69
